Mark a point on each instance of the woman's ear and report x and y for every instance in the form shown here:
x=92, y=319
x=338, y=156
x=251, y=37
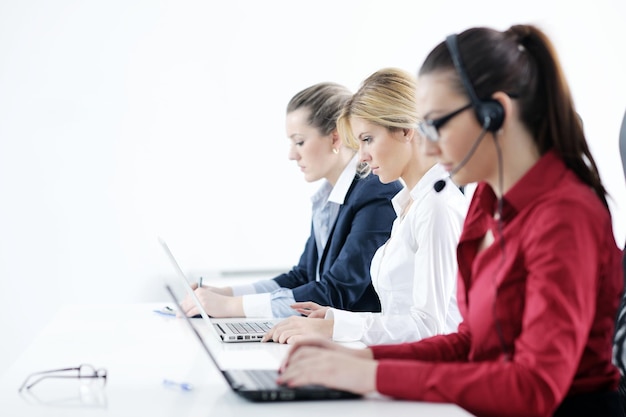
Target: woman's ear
x=408, y=134
x=336, y=139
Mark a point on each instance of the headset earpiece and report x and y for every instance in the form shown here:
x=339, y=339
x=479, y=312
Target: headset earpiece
x=490, y=113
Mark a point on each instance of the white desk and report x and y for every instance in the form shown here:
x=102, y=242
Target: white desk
x=139, y=349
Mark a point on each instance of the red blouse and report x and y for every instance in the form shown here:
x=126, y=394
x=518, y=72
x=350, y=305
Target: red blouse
x=550, y=282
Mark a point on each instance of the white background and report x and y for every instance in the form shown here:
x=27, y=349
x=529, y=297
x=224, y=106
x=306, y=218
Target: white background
x=124, y=120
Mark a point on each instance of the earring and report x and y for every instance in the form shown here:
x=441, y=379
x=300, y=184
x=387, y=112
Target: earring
x=335, y=151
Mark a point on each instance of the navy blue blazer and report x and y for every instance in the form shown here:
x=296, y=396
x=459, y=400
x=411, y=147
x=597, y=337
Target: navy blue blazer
x=362, y=226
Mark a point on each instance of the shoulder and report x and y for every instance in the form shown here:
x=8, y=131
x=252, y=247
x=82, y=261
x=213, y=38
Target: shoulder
x=443, y=202
x=571, y=198
x=439, y=210
x=451, y=198
x=370, y=187
x=570, y=212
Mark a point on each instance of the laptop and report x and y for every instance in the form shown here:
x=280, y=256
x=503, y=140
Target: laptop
x=260, y=384
x=229, y=330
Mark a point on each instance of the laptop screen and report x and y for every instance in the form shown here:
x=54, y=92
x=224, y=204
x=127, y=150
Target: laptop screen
x=185, y=281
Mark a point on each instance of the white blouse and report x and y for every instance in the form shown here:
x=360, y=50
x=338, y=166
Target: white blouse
x=415, y=272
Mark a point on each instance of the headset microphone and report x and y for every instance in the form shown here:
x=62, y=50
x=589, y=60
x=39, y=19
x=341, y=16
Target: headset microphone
x=439, y=185
x=469, y=154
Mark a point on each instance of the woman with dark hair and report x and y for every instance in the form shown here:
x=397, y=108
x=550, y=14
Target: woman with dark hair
x=539, y=269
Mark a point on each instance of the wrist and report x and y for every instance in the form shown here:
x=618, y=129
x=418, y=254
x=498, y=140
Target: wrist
x=329, y=325
x=366, y=353
x=373, y=376
x=235, y=307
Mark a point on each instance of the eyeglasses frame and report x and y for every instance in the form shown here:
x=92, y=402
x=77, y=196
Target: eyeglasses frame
x=97, y=373
x=428, y=126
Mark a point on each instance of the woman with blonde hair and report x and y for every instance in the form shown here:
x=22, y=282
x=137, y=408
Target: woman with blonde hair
x=414, y=272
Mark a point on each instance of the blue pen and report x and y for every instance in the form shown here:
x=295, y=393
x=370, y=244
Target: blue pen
x=182, y=385
x=166, y=311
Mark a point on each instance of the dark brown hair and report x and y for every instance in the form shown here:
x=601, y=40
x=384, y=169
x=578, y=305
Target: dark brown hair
x=522, y=62
x=325, y=102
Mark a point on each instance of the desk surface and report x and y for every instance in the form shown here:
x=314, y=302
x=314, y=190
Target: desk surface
x=140, y=349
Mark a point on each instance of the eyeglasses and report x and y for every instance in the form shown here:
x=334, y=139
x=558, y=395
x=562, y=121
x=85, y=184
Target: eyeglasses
x=83, y=371
x=430, y=128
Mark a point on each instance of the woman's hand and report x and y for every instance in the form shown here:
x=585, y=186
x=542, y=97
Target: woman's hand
x=293, y=328
x=321, y=362
x=310, y=309
x=215, y=305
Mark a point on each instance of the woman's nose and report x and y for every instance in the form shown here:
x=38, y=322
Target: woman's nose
x=293, y=153
x=364, y=156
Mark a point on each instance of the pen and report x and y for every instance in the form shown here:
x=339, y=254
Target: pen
x=166, y=311
x=182, y=385
x=200, y=282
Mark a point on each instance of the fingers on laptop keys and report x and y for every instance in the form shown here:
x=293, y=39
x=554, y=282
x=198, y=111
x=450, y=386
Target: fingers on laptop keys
x=267, y=337
x=282, y=331
x=273, y=334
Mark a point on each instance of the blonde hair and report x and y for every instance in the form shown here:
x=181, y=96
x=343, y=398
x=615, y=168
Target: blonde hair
x=385, y=98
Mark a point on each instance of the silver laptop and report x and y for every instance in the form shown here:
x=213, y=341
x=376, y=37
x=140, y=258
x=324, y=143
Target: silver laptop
x=260, y=384
x=229, y=330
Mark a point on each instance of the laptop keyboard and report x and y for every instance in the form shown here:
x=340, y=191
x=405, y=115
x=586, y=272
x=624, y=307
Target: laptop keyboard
x=251, y=327
x=255, y=378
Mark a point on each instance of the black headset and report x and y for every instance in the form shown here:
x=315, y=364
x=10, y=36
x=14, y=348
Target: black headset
x=490, y=113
